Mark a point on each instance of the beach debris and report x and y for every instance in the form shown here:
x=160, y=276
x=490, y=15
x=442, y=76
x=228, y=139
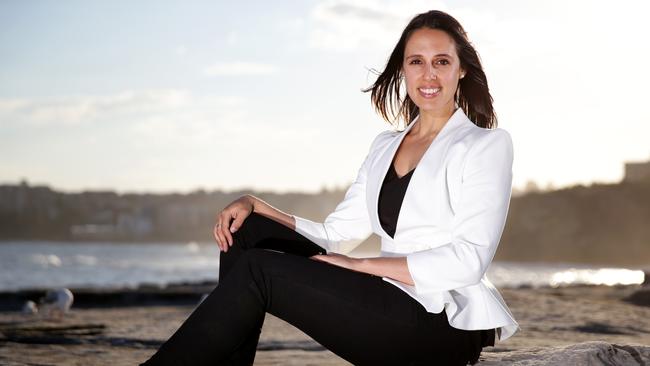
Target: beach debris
x=56, y=302
x=30, y=307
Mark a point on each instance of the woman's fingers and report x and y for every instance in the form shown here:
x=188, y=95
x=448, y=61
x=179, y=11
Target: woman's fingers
x=237, y=211
x=215, y=233
x=224, y=230
x=219, y=231
x=238, y=220
x=222, y=221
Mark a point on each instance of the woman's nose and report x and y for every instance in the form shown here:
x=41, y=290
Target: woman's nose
x=430, y=73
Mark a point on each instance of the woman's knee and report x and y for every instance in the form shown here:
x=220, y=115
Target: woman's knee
x=251, y=220
x=245, y=235
x=257, y=228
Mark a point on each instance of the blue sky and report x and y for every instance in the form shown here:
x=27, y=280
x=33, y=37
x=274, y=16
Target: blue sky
x=175, y=96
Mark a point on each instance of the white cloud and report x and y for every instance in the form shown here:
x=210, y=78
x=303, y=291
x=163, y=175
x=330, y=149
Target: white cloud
x=181, y=50
x=151, y=139
x=344, y=25
x=232, y=38
x=292, y=25
x=239, y=69
x=88, y=109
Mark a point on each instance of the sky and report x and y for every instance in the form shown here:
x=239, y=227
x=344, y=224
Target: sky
x=174, y=96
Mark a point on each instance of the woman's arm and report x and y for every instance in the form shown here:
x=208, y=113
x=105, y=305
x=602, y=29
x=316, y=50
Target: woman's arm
x=265, y=209
x=232, y=217
x=391, y=267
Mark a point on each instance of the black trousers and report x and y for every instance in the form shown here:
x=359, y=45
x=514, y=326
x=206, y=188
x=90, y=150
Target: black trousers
x=358, y=316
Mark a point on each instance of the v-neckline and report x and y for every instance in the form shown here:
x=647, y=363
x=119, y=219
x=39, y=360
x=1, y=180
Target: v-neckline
x=406, y=132
x=397, y=175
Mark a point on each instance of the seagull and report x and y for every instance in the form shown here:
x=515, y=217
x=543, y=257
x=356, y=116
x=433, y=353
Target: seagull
x=56, y=302
x=30, y=307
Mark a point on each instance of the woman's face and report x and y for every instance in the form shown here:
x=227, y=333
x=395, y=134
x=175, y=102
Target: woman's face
x=431, y=70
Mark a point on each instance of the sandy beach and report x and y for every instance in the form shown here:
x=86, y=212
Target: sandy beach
x=550, y=319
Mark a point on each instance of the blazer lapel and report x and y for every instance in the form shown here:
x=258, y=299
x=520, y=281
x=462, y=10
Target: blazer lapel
x=415, y=202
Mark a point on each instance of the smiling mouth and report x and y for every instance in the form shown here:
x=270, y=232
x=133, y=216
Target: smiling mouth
x=429, y=92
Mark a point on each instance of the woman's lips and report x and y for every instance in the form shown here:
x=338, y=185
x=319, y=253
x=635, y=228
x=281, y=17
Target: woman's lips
x=429, y=92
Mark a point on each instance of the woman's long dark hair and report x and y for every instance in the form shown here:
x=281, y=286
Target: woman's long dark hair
x=473, y=94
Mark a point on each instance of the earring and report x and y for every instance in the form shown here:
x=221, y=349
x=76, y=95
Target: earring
x=462, y=75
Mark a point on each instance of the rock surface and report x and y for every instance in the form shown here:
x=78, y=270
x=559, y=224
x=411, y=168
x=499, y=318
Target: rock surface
x=587, y=325
x=586, y=353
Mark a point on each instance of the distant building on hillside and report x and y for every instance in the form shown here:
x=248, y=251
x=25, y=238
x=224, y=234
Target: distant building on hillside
x=638, y=172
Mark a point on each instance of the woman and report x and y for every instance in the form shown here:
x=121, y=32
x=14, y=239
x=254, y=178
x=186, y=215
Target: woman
x=447, y=177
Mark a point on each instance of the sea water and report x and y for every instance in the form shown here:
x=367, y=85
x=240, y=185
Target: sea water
x=47, y=264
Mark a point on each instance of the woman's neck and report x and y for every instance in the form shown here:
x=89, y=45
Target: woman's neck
x=431, y=122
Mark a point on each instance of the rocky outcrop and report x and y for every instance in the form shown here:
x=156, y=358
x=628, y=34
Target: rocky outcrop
x=592, y=353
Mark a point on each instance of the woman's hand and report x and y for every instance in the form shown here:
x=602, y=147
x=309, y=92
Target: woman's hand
x=338, y=260
x=238, y=211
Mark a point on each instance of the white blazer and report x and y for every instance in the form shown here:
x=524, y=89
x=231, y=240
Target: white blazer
x=449, y=225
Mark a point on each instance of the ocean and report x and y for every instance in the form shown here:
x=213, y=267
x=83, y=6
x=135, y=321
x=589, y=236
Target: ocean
x=47, y=264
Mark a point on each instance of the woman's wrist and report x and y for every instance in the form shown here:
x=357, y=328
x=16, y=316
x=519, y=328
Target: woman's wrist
x=252, y=200
x=362, y=265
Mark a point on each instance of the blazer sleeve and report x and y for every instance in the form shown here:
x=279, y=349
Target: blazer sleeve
x=476, y=229
x=349, y=224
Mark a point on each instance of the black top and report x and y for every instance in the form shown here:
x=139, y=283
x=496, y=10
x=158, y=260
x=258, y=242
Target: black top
x=391, y=196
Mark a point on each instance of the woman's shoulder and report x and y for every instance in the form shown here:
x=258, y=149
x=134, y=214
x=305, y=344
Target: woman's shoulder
x=475, y=135
x=477, y=143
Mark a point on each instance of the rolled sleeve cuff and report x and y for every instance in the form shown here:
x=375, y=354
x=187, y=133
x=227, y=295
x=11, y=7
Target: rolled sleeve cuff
x=313, y=231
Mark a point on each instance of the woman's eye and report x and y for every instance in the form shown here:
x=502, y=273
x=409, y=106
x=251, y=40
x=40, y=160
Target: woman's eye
x=417, y=62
